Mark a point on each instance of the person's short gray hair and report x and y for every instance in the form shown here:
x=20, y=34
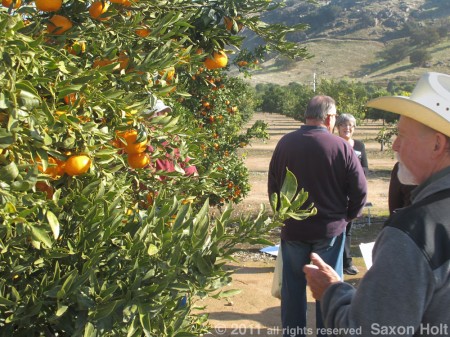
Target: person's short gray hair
x=319, y=107
x=344, y=118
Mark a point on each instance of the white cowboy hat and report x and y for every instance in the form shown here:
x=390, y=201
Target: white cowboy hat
x=428, y=104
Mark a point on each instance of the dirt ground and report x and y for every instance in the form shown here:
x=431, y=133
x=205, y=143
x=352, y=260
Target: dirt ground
x=254, y=312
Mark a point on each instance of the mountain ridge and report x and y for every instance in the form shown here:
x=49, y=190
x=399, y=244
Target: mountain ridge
x=349, y=37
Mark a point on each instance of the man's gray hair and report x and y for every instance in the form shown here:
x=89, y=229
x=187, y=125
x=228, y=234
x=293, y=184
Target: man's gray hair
x=319, y=107
x=345, y=118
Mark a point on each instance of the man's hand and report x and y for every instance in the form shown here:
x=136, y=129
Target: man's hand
x=319, y=276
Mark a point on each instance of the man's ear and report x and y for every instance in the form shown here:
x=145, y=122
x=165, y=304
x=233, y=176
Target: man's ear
x=441, y=144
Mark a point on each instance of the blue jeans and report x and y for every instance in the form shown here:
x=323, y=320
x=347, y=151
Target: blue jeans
x=293, y=290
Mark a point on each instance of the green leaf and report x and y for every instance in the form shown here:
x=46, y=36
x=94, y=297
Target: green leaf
x=185, y=334
x=300, y=199
x=145, y=321
x=9, y=172
x=203, y=266
x=89, y=330
x=6, y=303
x=6, y=138
x=21, y=186
x=67, y=284
x=180, y=219
x=229, y=293
x=41, y=235
x=61, y=310
x=54, y=223
x=274, y=201
x=289, y=188
x=105, y=310
x=69, y=90
x=29, y=88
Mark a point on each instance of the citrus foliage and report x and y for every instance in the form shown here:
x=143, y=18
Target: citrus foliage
x=104, y=206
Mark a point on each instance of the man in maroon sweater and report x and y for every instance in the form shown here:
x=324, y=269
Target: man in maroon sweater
x=328, y=169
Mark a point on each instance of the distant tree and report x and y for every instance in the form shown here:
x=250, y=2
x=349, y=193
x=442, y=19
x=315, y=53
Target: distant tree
x=419, y=57
x=397, y=51
x=272, y=96
x=424, y=36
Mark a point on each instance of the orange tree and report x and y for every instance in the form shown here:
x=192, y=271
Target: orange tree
x=104, y=225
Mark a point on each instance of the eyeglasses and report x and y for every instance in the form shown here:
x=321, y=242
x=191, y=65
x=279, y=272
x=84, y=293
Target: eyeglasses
x=346, y=126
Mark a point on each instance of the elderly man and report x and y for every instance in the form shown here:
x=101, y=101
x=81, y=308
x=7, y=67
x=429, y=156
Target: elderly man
x=407, y=290
x=329, y=170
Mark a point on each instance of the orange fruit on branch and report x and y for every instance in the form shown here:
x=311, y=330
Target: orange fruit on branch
x=123, y=60
x=168, y=72
x=8, y=3
x=216, y=61
x=97, y=9
x=142, y=32
x=131, y=146
x=138, y=160
x=77, y=164
x=48, y=5
x=101, y=62
x=54, y=169
x=228, y=22
x=58, y=24
x=47, y=189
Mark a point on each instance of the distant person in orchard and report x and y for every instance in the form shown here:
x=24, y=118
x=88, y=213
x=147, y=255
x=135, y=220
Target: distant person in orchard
x=326, y=167
x=172, y=155
x=345, y=125
x=406, y=292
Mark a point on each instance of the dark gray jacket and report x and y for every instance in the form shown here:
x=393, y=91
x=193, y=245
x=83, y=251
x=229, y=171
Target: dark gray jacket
x=406, y=292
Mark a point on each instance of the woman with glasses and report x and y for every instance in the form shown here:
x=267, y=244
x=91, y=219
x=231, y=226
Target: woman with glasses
x=345, y=125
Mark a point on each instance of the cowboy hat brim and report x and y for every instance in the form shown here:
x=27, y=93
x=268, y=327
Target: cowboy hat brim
x=404, y=106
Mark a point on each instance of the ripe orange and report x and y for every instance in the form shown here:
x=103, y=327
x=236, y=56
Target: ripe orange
x=138, y=160
x=132, y=147
x=73, y=97
x=128, y=3
x=123, y=60
x=58, y=24
x=48, y=5
x=101, y=62
x=55, y=168
x=142, y=32
x=218, y=60
x=228, y=23
x=8, y=3
x=47, y=189
x=150, y=198
x=117, y=1
x=97, y=9
x=77, y=164
x=168, y=72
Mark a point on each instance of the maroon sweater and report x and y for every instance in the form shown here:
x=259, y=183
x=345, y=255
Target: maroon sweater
x=327, y=168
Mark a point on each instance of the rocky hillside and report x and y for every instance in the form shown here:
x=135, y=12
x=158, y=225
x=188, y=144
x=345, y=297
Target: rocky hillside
x=361, y=40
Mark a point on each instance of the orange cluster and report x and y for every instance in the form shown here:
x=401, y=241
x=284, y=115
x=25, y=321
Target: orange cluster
x=137, y=157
